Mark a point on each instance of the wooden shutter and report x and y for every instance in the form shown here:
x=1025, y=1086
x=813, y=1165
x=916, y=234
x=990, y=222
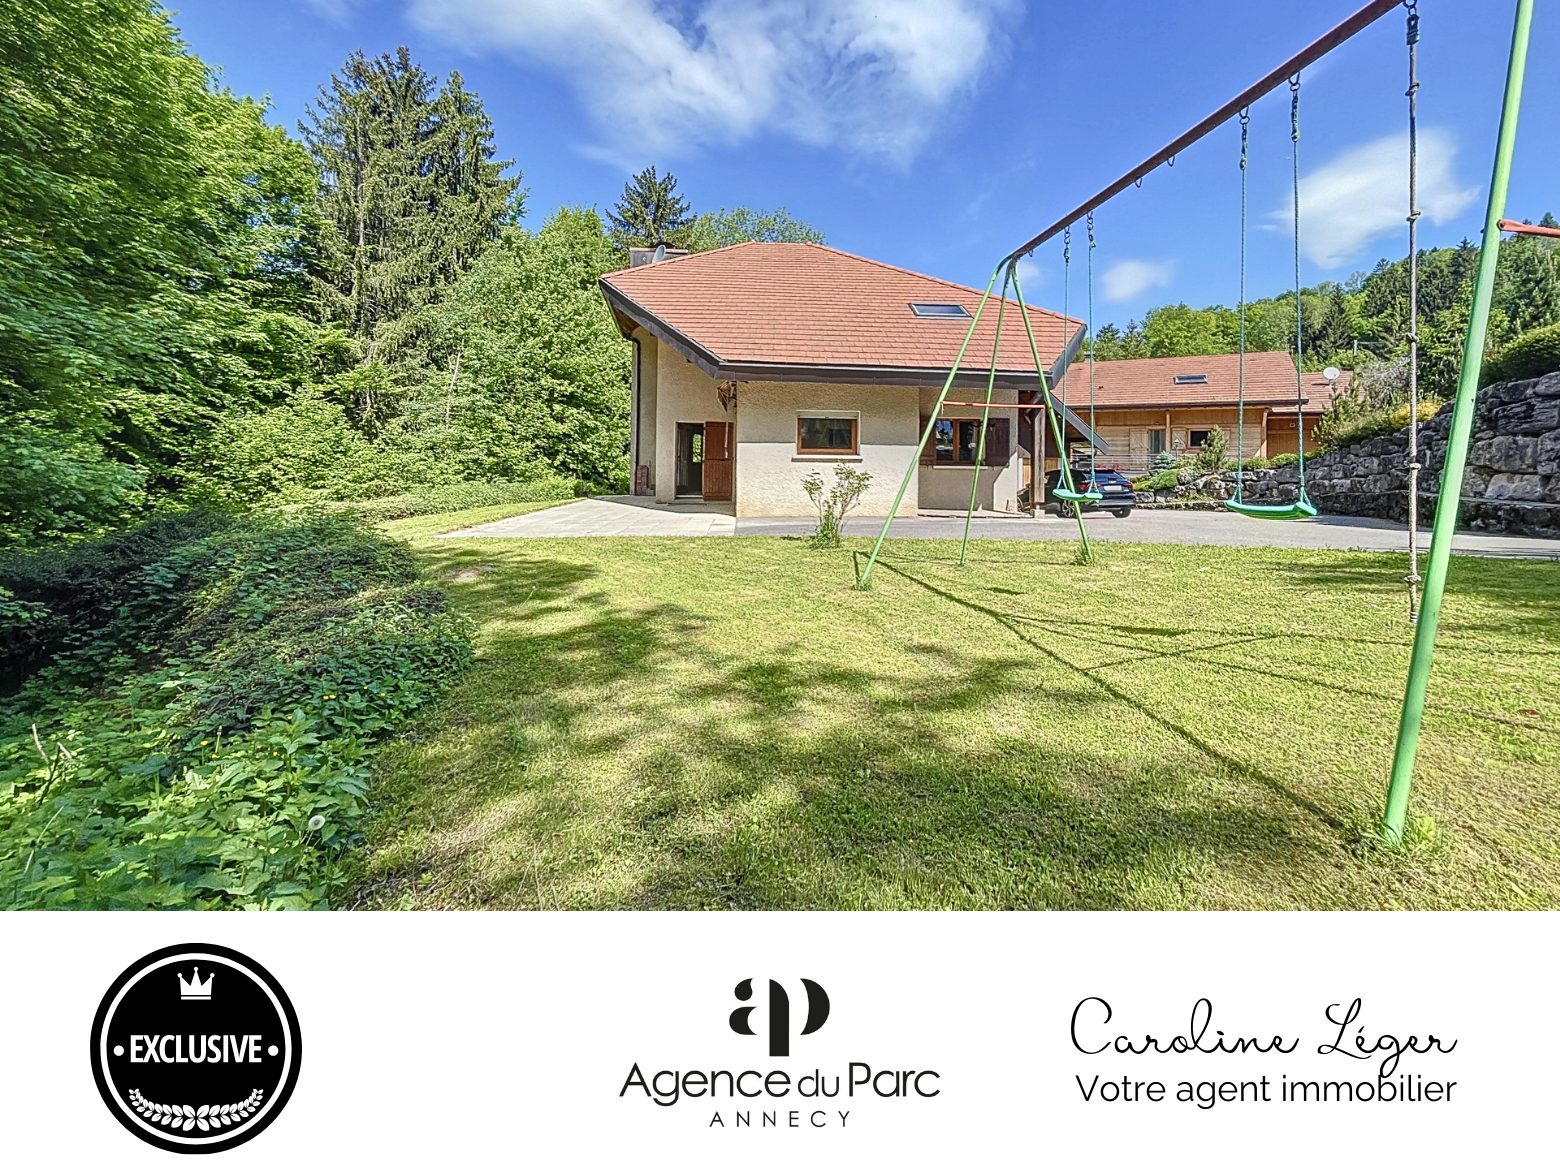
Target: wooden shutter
x=999, y=443
x=929, y=452
x=719, y=464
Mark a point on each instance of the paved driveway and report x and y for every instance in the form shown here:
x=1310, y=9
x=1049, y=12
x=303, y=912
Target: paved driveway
x=637, y=516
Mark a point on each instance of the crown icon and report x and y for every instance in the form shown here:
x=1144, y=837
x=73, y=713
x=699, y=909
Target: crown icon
x=194, y=988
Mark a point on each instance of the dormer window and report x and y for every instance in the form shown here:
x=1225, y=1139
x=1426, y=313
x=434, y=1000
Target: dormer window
x=937, y=309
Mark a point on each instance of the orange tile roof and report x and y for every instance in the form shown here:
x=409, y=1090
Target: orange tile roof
x=1150, y=382
x=753, y=306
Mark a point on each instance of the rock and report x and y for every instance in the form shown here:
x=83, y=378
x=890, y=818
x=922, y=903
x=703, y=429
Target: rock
x=1506, y=486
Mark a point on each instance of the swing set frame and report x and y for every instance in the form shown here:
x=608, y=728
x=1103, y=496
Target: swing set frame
x=1460, y=433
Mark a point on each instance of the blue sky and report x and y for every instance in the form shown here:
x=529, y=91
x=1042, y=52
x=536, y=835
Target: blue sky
x=939, y=134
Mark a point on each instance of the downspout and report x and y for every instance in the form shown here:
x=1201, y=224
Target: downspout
x=634, y=405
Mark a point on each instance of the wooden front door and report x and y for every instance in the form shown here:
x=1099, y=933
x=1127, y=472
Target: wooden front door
x=719, y=460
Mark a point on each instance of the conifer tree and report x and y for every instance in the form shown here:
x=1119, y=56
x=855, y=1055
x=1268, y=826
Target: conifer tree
x=650, y=212
x=410, y=195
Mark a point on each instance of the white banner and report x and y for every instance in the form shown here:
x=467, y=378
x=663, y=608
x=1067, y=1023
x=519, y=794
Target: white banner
x=812, y=1040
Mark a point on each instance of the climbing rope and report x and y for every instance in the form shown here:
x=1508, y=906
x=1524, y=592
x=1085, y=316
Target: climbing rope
x=1413, y=579
x=1093, y=433
x=1066, y=312
x=1294, y=138
x=1240, y=421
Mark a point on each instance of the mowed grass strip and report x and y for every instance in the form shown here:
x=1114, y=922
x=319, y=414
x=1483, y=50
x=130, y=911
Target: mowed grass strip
x=670, y=723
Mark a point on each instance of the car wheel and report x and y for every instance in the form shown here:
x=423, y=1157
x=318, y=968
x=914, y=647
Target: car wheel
x=1065, y=509
x=1121, y=513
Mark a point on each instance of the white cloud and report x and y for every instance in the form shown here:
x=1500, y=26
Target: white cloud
x=873, y=76
x=1362, y=195
x=1031, y=276
x=1127, y=280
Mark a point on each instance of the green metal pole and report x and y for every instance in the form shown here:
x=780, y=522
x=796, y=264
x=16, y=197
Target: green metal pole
x=1457, y=441
x=1050, y=410
x=985, y=417
x=865, y=580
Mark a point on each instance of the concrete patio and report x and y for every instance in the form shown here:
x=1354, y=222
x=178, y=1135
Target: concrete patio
x=640, y=516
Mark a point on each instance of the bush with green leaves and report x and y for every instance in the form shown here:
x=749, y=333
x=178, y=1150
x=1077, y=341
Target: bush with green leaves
x=204, y=735
x=1163, y=461
x=834, y=502
x=1534, y=354
x=1288, y=459
x=1157, y=481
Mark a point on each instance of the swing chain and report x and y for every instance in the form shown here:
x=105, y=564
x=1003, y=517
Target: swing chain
x=1294, y=108
x=1245, y=135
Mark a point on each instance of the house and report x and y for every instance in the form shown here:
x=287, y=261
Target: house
x=1149, y=405
x=759, y=364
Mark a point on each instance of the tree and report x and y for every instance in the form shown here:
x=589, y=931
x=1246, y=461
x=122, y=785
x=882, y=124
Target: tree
x=523, y=369
x=410, y=194
x=721, y=229
x=1180, y=331
x=650, y=213
x=156, y=235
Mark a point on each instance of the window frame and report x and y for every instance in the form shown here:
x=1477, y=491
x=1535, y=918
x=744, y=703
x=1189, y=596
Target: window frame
x=963, y=313
x=854, y=416
x=1205, y=432
x=956, y=421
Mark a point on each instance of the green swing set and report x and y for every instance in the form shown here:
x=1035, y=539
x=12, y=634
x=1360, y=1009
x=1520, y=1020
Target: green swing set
x=1301, y=508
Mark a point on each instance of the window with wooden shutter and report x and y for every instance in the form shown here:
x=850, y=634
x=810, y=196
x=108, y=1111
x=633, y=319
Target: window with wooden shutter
x=998, y=443
x=928, y=452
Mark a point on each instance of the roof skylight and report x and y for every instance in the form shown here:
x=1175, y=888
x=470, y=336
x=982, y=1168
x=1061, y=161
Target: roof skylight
x=937, y=309
x=1190, y=379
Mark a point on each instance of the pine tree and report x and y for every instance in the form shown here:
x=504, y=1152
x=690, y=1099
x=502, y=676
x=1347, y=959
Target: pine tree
x=410, y=195
x=649, y=213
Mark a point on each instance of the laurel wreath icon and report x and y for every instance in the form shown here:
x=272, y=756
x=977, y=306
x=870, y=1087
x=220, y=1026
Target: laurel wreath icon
x=188, y=1117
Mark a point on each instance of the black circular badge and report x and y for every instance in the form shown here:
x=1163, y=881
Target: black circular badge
x=195, y=1048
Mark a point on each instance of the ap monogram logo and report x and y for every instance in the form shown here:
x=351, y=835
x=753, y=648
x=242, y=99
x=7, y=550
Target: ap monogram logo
x=779, y=1013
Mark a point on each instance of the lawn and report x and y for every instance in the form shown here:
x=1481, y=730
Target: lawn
x=663, y=723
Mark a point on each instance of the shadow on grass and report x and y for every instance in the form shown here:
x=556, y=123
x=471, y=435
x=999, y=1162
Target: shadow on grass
x=606, y=755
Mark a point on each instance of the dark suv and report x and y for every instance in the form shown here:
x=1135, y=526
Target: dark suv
x=1115, y=490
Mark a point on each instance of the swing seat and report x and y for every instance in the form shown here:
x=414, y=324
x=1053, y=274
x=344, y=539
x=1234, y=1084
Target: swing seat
x=1301, y=509
x=1090, y=497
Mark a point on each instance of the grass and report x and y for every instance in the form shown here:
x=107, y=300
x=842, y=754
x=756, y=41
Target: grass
x=417, y=527
x=664, y=723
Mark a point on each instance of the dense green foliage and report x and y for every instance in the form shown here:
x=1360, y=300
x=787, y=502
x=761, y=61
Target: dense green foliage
x=203, y=735
x=1532, y=355
x=151, y=278
x=522, y=366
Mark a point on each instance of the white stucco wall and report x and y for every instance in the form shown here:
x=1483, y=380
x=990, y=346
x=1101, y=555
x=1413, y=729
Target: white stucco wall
x=684, y=393
x=770, y=472
x=949, y=487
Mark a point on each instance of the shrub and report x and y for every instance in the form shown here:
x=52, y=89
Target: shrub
x=1157, y=481
x=1258, y=463
x=1163, y=461
x=1333, y=434
x=1212, y=454
x=203, y=738
x=1532, y=355
x=833, y=503
x=1288, y=459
